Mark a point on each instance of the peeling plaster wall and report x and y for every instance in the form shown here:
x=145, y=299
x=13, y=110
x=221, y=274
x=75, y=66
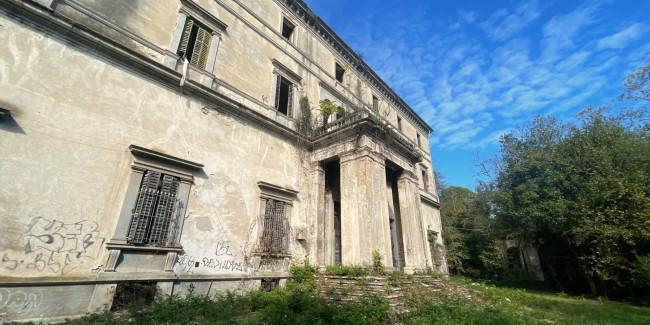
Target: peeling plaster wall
x=150, y=19
x=65, y=163
x=65, y=167
x=431, y=216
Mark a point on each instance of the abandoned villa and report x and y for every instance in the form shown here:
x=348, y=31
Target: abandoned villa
x=197, y=145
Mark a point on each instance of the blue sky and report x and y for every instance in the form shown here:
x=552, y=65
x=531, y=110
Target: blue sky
x=477, y=69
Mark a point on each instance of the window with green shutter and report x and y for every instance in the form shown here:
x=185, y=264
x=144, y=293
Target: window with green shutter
x=195, y=43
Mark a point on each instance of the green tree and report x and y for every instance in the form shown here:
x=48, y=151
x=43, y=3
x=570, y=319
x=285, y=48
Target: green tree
x=470, y=242
x=582, y=191
x=637, y=85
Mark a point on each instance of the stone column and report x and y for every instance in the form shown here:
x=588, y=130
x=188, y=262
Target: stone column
x=350, y=210
x=364, y=214
x=412, y=227
x=317, y=255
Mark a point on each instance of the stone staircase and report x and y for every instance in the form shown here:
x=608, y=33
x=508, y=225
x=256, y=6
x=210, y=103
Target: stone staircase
x=341, y=288
x=395, y=289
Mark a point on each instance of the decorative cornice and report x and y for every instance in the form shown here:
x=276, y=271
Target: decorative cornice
x=432, y=200
x=165, y=158
x=196, y=11
x=165, y=249
x=274, y=190
x=282, y=69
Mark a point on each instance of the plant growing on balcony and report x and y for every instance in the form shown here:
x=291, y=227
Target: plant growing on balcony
x=327, y=108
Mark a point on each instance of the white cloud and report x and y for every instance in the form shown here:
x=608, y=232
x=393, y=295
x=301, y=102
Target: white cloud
x=559, y=32
x=622, y=38
x=502, y=24
x=468, y=16
x=471, y=90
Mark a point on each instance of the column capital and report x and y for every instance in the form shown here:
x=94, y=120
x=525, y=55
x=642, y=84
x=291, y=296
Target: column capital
x=408, y=176
x=317, y=166
x=362, y=153
x=347, y=156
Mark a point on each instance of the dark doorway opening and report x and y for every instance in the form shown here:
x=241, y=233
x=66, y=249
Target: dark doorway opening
x=395, y=219
x=333, y=206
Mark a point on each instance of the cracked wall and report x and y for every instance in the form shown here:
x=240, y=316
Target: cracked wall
x=66, y=175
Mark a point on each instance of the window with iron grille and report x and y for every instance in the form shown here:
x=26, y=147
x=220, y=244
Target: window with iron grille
x=275, y=228
x=195, y=43
x=153, y=213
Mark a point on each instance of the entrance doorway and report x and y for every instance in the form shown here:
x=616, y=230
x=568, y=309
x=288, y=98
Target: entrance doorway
x=395, y=220
x=333, y=208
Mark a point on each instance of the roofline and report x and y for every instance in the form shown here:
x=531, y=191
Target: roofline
x=301, y=9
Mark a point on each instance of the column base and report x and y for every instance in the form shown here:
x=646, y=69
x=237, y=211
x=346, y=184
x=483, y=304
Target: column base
x=409, y=269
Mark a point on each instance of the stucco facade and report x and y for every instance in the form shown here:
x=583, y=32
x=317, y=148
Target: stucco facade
x=97, y=100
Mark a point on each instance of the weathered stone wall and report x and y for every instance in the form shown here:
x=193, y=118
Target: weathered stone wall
x=77, y=105
x=66, y=169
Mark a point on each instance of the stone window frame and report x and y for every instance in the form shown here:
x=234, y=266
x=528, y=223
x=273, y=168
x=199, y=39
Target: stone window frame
x=280, y=70
x=424, y=174
x=339, y=67
x=292, y=39
x=277, y=193
x=189, y=9
x=143, y=160
x=375, y=103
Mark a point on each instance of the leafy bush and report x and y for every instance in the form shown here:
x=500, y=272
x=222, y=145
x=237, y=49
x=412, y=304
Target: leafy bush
x=351, y=271
x=377, y=267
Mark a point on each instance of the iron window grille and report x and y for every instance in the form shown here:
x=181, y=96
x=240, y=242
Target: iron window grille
x=153, y=213
x=275, y=229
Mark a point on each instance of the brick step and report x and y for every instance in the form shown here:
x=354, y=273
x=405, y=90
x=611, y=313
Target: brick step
x=362, y=293
x=387, y=296
x=348, y=299
x=354, y=281
x=359, y=290
x=347, y=285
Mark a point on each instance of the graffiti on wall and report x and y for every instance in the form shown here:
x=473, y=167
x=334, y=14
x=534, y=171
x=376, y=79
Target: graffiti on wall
x=16, y=301
x=55, y=247
x=222, y=260
x=270, y=264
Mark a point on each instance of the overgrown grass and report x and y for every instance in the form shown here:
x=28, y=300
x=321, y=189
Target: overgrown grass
x=448, y=303
x=349, y=271
x=506, y=305
x=281, y=306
